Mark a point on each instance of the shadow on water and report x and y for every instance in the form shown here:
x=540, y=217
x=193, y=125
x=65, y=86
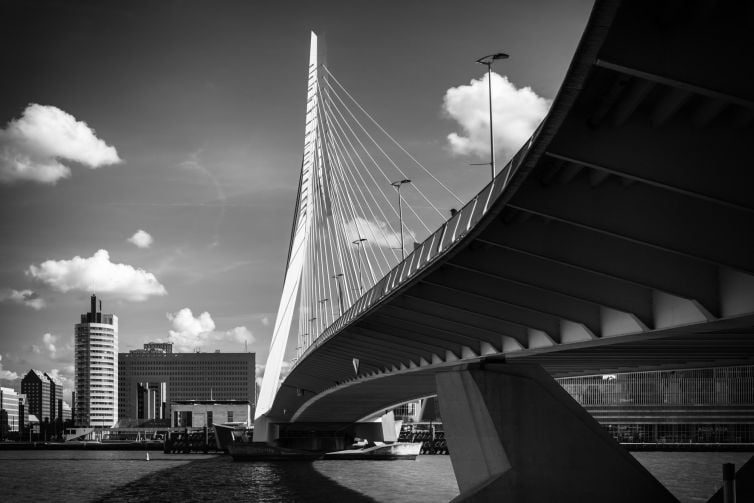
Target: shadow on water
x=221, y=479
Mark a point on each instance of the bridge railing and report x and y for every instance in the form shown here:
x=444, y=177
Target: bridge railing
x=434, y=247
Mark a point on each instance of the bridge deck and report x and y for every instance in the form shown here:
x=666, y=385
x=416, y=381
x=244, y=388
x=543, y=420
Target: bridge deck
x=620, y=236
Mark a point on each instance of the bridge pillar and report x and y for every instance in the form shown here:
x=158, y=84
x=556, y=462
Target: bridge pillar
x=264, y=430
x=515, y=435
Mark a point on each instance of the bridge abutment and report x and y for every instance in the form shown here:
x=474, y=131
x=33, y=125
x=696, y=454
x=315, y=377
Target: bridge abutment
x=514, y=434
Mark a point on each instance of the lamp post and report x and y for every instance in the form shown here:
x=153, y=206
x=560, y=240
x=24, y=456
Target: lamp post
x=397, y=184
x=358, y=242
x=337, y=277
x=488, y=60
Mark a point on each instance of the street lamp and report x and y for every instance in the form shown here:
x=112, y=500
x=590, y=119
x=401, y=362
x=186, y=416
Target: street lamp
x=358, y=242
x=488, y=60
x=397, y=184
x=337, y=277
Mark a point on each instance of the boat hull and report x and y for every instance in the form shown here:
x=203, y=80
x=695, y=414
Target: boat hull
x=389, y=452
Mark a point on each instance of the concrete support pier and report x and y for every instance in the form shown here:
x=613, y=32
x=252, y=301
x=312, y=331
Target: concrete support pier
x=515, y=435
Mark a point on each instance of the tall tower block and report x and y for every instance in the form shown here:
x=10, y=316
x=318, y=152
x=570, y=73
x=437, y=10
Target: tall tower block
x=96, y=368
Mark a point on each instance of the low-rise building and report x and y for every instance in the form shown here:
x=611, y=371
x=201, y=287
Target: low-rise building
x=152, y=378
x=200, y=413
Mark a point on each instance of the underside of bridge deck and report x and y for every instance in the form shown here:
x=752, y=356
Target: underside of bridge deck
x=624, y=240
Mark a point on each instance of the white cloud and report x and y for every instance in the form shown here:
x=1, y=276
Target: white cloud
x=27, y=297
x=64, y=377
x=31, y=146
x=241, y=335
x=266, y=321
x=142, y=239
x=7, y=374
x=188, y=331
x=516, y=114
x=49, y=341
x=378, y=233
x=198, y=332
x=98, y=274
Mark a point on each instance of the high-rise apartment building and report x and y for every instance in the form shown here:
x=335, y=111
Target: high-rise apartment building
x=96, y=368
x=153, y=377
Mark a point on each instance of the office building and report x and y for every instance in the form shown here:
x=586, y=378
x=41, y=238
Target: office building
x=36, y=386
x=56, y=397
x=10, y=421
x=153, y=377
x=96, y=368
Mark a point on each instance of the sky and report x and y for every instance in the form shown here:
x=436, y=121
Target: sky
x=150, y=151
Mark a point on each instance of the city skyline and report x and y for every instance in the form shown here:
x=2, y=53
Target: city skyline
x=194, y=121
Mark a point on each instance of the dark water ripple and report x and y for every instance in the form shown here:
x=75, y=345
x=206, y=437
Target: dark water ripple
x=220, y=479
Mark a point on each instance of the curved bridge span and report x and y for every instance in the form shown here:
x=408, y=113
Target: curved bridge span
x=620, y=237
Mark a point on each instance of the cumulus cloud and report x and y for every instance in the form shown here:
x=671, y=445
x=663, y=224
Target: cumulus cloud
x=142, y=239
x=27, y=297
x=49, y=341
x=191, y=332
x=377, y=232
x=64, y=377
x=97, y=273
x=7, y=374
x=31, y=147
x=516, y=114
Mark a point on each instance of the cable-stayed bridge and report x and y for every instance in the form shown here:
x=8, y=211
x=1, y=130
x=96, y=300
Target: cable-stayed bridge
x=620, y=237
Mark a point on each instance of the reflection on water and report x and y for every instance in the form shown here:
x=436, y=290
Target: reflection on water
x=118, y=476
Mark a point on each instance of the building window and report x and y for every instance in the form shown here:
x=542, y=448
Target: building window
x=209, y=418
x=230, y=416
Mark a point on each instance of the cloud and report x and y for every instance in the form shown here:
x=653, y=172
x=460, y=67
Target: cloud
x=516, y=114
x=98, y=274
x=378, y=233
x=240, y=335
x=188, y=330
x=198, y=332
x=27, y=297
x=7, y=374
x=64, y=377
x=49, y=341
x=142, y=239
x=31, y=146
x=266, y=321
x=285, y=369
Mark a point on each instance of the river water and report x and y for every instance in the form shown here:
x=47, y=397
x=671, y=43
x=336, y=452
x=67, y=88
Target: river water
x=125, y=476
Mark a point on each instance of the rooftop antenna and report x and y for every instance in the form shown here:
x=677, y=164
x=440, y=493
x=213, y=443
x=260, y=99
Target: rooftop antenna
x=246, y=345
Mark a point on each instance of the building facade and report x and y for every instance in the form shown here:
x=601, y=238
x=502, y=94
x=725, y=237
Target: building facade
x=712, y=405
x=201, y=413
x=96, y=368
x=56, y=398
x=36, y=386
x=153, y=377
x=10, y=418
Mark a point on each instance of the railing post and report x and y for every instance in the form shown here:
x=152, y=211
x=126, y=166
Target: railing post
x=729, y=483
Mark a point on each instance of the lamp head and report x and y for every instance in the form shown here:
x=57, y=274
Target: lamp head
x=491, y=58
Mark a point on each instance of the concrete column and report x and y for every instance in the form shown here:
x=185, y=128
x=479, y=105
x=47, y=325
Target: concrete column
x=515, y=435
